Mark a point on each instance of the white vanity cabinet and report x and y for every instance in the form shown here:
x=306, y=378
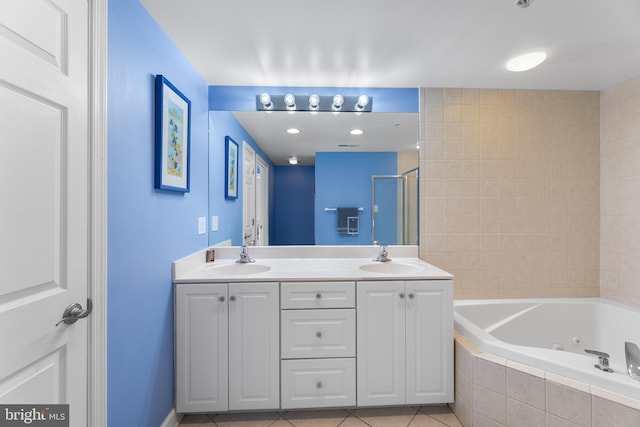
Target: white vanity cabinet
x=227, y=339
x=404, y=342
x=318, y=344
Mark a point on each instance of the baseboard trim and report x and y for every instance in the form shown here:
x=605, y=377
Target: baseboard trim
x=173, y=419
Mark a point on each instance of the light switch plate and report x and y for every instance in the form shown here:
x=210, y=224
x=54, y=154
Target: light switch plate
x=202, y=225
x=214, y=223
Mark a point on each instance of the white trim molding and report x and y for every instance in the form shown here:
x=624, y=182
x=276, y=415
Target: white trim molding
x=173, y=419
x=97, y=375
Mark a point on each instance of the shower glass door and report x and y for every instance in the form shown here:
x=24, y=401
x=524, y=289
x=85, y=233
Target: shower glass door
x=394, y=219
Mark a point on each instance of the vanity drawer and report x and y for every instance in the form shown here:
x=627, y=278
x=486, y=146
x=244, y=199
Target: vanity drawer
x=310, y=383
x=318, y=333
x=295, y=295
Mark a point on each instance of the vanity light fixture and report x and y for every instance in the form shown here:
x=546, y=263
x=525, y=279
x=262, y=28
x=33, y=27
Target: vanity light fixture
x=314, y=103
x=293, y=160
x=356, y=132
x=293, y=131
x=265, y=100
x=527, y=61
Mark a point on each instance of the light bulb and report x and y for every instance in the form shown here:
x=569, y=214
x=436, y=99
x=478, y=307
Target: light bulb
x=314, y=101
x=265, y=100
x=363, y=101
x=290, y=101
x=338, y=100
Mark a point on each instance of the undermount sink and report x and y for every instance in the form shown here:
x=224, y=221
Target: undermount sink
x=391, y=267
x=238, y=268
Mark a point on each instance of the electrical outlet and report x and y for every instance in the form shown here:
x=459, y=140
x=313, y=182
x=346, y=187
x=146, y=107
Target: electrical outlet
x=214, y=223
x=202, y=225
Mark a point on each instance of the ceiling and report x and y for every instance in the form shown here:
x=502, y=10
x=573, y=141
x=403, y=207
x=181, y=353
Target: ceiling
x=591, y=44
x=328, y=132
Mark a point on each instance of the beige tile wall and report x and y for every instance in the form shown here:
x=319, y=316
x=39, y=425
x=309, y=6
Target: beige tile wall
x=510, y=191
x=620, y=193
x=408, y=160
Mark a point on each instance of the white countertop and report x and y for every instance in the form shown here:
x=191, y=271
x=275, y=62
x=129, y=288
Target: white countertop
x=296, y=263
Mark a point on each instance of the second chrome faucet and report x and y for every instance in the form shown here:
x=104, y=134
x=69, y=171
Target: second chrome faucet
x=244, y=256
x=383, y=255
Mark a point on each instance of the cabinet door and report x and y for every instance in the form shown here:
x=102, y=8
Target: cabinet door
x=380, y=343
x=254, y=356
x=201, y=347
x=429, y=334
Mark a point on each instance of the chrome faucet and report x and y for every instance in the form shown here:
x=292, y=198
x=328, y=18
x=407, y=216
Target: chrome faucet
x=632, y=353
x=603, y=360
x=244, y=256
x=383, y=255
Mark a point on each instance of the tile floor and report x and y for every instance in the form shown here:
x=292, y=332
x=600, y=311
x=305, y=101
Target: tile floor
x=424, y=416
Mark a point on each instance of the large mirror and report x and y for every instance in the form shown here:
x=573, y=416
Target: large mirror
x=345, y=189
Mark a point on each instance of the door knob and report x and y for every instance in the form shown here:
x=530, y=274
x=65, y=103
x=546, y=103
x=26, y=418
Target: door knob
x=74, y=312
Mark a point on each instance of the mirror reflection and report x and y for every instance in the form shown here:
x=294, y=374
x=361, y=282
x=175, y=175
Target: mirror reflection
x=304, y=178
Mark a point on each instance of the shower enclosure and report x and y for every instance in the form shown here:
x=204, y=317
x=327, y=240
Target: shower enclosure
x=394, y=207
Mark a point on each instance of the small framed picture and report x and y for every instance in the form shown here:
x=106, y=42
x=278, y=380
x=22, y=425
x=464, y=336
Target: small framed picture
x=173, y=130
x=231, y=168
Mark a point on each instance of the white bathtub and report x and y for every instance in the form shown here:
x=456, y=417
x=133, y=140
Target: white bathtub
x=528, y=330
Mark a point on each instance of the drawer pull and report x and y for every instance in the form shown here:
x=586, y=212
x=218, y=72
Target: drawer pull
x=318, y=334
x=221, y=299
x=319, y=384
x=318, y=295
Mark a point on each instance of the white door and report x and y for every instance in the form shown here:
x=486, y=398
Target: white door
x=248, y=194
x=262, y=202
x=429, y=342
x=254, y=347
x=201, y=348
x=381, y=343
x=44, y=216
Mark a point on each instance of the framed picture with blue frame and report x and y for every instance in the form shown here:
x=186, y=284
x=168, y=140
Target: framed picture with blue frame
x=230, y=168
x=172, y=137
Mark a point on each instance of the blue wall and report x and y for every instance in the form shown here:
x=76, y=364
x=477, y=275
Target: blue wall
x=293, y=220
x=229, y=211
x=344, y=180
x=147, y=228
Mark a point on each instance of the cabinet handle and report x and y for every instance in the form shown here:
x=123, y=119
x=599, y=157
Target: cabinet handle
x=318, y=296
x=221, y=299
x=401, y=295
x=411, y=296
x=318, y=334
x=232, y=298
x=319, y=384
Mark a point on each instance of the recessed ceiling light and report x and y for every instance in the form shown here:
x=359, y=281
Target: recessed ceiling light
x=293, y=131
x=527, y=61
x=293, y=160
x=356, y=132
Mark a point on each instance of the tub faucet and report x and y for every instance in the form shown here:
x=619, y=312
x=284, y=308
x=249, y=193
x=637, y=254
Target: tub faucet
x=632, y=353
x=383, y=255
x=244, y=256
x=603, y=360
